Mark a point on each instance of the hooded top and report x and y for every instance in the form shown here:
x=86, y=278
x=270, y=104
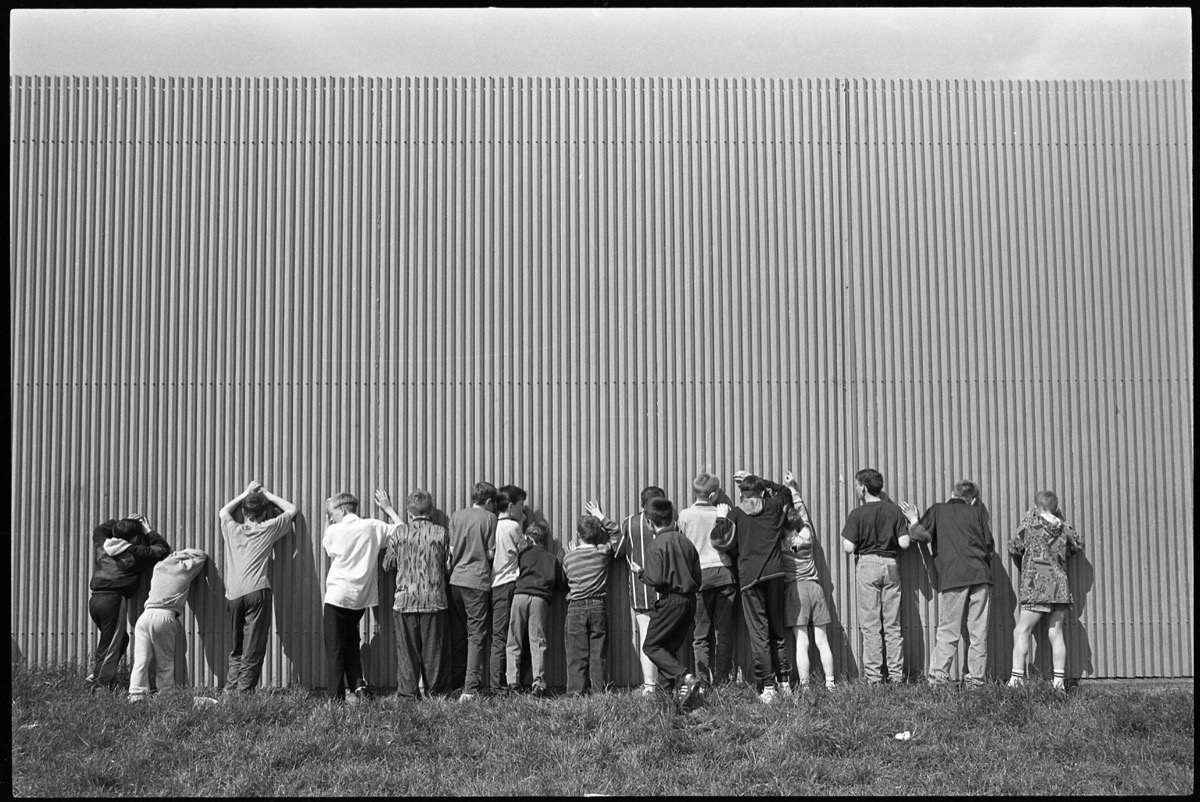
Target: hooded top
x=753, y=532
x=117, y=564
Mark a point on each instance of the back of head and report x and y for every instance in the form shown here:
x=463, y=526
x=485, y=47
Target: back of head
x=795, y=521
x=127, y=529
x=752, y=486
x=590, y=530
x=871, y=480
x=652, y=492
x=539, y=533
x=255, y=505
x=515, y=495
x=419, y=504
x=660, y=512
x=346, y=502
x=482, y=493
x=967, y=490
x=502, y=501
x=1046, y=501
x=704, y=485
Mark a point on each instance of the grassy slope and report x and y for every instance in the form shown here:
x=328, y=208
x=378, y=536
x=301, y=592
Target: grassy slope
x=992, y=741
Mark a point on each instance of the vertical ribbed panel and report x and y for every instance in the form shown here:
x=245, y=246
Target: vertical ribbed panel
x=585, y=286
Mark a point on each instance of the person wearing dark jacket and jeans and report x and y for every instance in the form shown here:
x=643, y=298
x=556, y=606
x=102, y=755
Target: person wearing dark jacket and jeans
x=673, y=569
x=960, y=539
x=539, y=575
x=121, y=552
x=754, y=531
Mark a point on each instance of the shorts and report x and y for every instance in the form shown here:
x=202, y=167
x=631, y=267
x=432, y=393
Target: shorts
x=805, y=604
x=1039, y=607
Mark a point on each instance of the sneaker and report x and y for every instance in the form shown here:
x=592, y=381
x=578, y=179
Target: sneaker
x=785, y=687
x=137, y=697
x=830, y=685
x=539, y=691
x=360, y=694
x=769, y=694
x=203, y=701
x=467, y=697
x=687, y=687
x=647, y=690
x=1015, y=682
x=1059, y=685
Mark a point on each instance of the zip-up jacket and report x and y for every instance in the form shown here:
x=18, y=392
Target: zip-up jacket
x=118, y=564
x=672, y=564
x=753, y=531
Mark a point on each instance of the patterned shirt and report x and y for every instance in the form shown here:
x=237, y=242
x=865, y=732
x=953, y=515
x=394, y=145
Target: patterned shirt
x=420, y=553
x=637, y=535
x=1041, y=553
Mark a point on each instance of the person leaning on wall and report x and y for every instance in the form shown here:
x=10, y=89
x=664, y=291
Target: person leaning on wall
x=121, y=551
x=248, y=594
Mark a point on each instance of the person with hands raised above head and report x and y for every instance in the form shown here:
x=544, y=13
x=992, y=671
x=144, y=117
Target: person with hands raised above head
x=804, y=601
x=754, y=531
x=1040, y=549
x=248, y=595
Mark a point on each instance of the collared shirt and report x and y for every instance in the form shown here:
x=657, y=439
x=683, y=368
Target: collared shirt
x=248, y=552
x=960, y=540
x=472, y=536
x=697, y=523
x=353, y=544
x=636, y=536
x=504, y=564
x=420, y=553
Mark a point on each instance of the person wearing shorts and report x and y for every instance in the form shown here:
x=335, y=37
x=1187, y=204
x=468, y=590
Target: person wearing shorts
x=804, y=600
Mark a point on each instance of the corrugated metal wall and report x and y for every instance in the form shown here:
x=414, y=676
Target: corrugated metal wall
x=587, y=286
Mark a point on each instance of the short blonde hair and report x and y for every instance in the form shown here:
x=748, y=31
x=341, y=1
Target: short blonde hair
x=344, y=501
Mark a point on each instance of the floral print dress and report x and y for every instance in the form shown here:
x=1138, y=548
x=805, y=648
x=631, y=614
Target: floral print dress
x=1041, y=550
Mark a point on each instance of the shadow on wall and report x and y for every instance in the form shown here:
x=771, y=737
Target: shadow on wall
x=298, y=600
x=1080, y=577
x=844, y=663
x=18, y=656
x=917, y=577
x=1003, y=618
x=206, y=597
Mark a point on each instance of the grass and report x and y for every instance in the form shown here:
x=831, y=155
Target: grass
x=1109, y=740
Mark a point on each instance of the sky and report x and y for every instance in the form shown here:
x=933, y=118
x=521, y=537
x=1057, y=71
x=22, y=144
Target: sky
x=921, y=43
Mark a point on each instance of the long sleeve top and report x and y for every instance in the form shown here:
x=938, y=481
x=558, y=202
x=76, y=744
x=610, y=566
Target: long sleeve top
x=697, y=522
x=420, y=553
x=636, y=536
x=672, y=564
x=539, y=573
x=753, y=532
x=1040, y=551
x=586, y=566
x=117, y=564
x=172, y=577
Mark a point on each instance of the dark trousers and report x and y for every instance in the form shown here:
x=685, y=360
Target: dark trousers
x=343, y=663
x=587, y=644
x=763, y=609
x=712, y=642
x=421, y=650
x=670, y=624
x=109, y=610
x=501, y=605
x=470, y=622
x=251, y=617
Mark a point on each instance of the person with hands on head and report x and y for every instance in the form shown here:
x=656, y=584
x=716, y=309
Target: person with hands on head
x=960, y=539
x=1040, y=549
x=420, y=553
x=754, y=531
x=121, y=552
x=805, y=600
x=248, y=595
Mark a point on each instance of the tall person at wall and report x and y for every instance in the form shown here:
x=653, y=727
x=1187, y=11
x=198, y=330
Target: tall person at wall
x=637, y=535
x=472, y=549
x=248, y=594
x=351, y=586
x=509, y=504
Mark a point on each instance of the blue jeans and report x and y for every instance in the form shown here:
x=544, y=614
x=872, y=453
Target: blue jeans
x=587, y=642
x=878, y=591
x=951, y=603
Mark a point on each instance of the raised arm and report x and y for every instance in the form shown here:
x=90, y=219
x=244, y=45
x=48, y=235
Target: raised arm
x=231, y=507
x=385, y=503
x=919, y=529
x=724, y=534
x=287, y=508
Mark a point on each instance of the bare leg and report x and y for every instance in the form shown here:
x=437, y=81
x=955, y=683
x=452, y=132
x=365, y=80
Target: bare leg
x=1025, y=623
x=802, y=667
x=822, y=639
x=1058, y=646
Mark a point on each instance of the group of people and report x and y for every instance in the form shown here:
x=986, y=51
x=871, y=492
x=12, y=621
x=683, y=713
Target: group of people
x=484, y=582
